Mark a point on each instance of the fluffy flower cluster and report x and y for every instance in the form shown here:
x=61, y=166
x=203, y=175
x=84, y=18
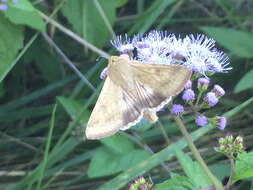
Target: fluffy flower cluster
x=197, y=53
x=4, y=4
x=204, y=100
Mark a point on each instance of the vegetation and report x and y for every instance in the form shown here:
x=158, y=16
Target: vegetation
x=45, y=103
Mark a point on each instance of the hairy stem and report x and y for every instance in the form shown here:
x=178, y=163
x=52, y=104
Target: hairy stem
x=197, y=156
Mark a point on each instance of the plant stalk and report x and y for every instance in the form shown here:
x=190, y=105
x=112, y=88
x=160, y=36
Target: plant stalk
x=197, y=156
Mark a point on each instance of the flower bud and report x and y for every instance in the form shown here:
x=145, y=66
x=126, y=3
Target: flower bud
x=176, y=109
x=211, y=99
x=218, y=90
x=203, y=84
x=188, y=85
x=201, y=120
x=188, y=95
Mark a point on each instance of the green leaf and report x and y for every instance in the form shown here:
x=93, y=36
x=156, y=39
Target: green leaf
x=220, y=170
x=11, y=40
x=193, y=170
x=243, y=166
x=176, y=182
x=47, y=63
x=24, y=13
x=106, y=163
x=73, y=108
x=118, y=143
x=245, y=82
x=238, y=42
x=86, y=20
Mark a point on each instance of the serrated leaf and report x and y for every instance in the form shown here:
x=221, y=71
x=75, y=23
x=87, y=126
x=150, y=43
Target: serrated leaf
x=24, y=13
x=238, y=42
x=176, y=182
x=118, y=143
x=243, y=166
x=11, y=40
x=86, y=20
x=193, y=170
x=106, y=162
x=245, y=82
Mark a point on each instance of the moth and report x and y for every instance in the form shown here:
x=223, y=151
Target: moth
x=133, y=90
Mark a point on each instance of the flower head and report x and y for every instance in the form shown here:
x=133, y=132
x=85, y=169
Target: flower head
x=140, y=184
x=203, y=82
x=176, y=109
x=123, y=47
x=188, y=85
x=103, y=74
x=188, y=95
x=201, y=120
x=211, y=99
x=218, y=90
x=15, y=1
x=221, y=122
x=3, y=7
x=195, y=52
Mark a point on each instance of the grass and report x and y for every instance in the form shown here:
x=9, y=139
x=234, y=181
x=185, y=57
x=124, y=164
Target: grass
x=44, y=148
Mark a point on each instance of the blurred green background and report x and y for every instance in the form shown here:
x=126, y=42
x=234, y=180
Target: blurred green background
x=46, y=149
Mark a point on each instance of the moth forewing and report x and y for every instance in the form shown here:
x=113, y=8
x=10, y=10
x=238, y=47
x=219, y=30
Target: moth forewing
x=133, y=90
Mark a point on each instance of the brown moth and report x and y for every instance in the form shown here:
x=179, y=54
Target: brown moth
x=133, y=90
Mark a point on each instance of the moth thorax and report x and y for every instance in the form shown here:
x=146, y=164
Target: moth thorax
x=150, y=115
x=119, y=71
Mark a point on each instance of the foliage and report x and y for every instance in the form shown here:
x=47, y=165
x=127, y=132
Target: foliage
x=40, y=148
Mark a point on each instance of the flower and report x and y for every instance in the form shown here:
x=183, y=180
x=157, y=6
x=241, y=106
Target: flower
x=201, y=120
x=123, y=47
x=197, y=53
x=203, y=82
x=188, y=85
x=15, y=1
x=176, y=109
x=221, y=122
x=211, y=99
x=218, y=90
x=140, y=184
x=103, y=74
x=188, y=95
x=3, y=7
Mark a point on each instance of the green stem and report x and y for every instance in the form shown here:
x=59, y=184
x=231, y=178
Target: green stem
x=196, y=154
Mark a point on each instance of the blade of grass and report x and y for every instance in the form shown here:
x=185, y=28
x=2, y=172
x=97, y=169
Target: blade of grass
x=45, y=158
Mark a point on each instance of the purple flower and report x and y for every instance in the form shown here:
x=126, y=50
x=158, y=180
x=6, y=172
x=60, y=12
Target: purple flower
x=103, y=74
x=211, y=99
x=3, y=7
x=203, y=57
x=221, y=122
x=203, y=82
x=15, y=1
x=3, y=0
x=201, y=120
x=176, y=109
x=123, y=47
x=188, y=95
x=188, y=85
x=218, y=90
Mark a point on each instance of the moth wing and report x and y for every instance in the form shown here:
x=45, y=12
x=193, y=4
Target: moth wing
x=106, y=117
x=166, y=80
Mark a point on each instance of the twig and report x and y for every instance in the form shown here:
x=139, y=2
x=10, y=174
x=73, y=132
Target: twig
x=196, y=154
x=232, y=169
x=75, y=36
x=66, y=59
